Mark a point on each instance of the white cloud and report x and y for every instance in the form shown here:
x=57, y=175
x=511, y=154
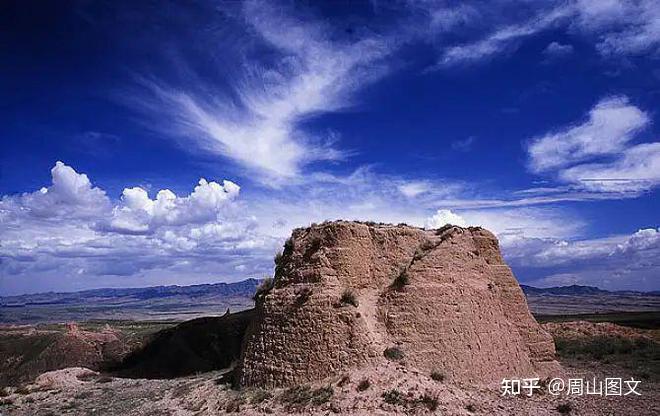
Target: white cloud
x=612, y=123
x=502, y=39
x=70, y=194
x=576, y=153
x=70, y=236
x=313, y=72
x=412, y=189
x=617, y=27
x=557, y=50
x=444, y=217
x=137, y=213
x=627, y=262
x=624, y=27
x=637, y=169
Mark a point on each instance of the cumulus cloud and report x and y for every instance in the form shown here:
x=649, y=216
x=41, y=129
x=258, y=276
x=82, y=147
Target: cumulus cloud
x=619, y=262
x=576, y=153
x=444, y=217
x=70, y=194
x=137, y=213
x=70, y=235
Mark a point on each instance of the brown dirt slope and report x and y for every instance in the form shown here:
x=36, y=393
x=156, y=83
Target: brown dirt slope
x=26, y=352
x=434, y=299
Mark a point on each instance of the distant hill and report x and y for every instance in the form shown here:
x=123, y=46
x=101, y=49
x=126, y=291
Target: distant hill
x=180, y=303
x=175, y=303
x=242, y=288
x=577, y=299
x=578, y=290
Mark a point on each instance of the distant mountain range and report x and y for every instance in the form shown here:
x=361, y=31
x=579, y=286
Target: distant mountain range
x=178, y=303
x=245, y=288
x=578, y=290
x=171, y=303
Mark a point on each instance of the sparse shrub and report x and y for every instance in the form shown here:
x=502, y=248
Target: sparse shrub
x=348, y=297
x=471, y=407
x=600, y=347
x=22, y=390
x=565, y=408
x=442, y=229
x=394, y=396
x=260, y=395
x=429, y=402
x=264, y=287
x=3, y=392
x=302, y=295
x=364, y=384
x=393, y=353
x=437, y=376
x=322, y=395
x=401, y=280
x=278, y=258
x=296, y=396
x=300, y=396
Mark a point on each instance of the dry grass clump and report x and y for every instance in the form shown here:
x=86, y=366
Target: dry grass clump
x=394, y=396
x=565, y=408
x=302, y=295
x=300, y=396
x=264, y=287
x=437, y=376
x=393, y=353
x=348, y=297
x=363, y=385
x=401, y=281
x=259, y=395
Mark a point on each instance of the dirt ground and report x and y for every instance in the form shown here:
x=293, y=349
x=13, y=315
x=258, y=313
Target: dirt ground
x=586, y=351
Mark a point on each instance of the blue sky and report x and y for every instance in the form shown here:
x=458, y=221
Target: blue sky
x=180, y=142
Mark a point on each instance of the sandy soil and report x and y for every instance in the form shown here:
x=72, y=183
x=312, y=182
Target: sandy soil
x=79, y=391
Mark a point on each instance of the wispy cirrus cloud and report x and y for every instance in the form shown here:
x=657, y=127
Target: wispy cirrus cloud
x=502, y=39
x=311, y=70
x=617, y=28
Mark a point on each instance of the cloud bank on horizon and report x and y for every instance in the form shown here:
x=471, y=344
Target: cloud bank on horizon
x=410, y=112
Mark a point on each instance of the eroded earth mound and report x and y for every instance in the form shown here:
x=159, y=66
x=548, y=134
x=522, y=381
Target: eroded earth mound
x=349, y=295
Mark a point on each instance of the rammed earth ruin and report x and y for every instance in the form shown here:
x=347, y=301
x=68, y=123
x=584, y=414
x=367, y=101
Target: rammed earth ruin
x=436, y=300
